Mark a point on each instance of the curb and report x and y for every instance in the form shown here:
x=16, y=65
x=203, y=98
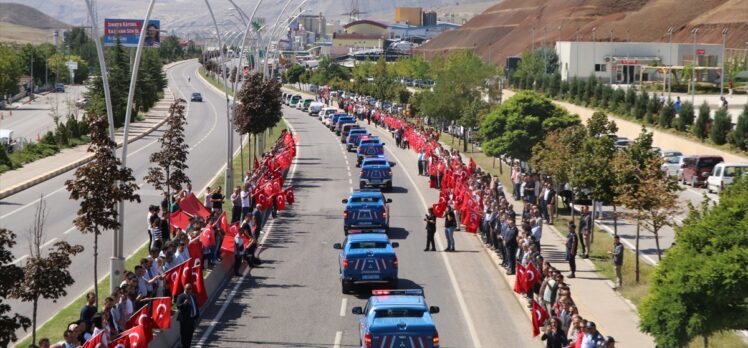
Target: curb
x=49, y=175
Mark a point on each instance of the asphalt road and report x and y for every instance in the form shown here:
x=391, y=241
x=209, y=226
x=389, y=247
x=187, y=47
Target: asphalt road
x=34, y=118
x=206, y=135
x=294, y=299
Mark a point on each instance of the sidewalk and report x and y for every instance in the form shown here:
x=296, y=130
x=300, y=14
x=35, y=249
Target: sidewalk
x=30, y=174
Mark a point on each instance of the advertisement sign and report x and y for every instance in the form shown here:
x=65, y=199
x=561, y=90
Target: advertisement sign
x=701, y=52
x=128, y=31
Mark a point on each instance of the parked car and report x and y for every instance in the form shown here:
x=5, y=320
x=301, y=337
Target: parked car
x=696, y=169
x=59, y=88
x=672, y=162
x=724, y=174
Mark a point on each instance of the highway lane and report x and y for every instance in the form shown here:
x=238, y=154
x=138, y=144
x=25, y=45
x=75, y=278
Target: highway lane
x=294, y=298
x=206, y=135
x=34, y=118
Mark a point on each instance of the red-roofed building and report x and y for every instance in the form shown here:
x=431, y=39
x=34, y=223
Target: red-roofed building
x=359, y=35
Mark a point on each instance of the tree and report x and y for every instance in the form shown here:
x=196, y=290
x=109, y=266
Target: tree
x=44, y=276
x=294, y=73
x=556, y=154
x=384, y=84
x=685, y=117
x=80, y=44
x=10, y=276
x=151, y=81
x=640, y=105
x=260, y=106
x=170, y=50
x=519, y=123
x=701, y=127
x=170, y=163
x=118, y=64
x=11, y=69
x=100, y=185
x=720, y=127
x=740, y=135
x=629, y=101
x=699, y=286
x=667, y=114
x=58, y=64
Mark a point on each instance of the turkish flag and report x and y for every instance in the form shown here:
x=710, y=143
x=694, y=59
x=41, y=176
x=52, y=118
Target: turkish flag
x=179, y=219
x=194, y=248
x=207, y=237
x=532, y=276
x=191, y=205
x=137, y=337
x=290, y=199
x=473, y=221
x=539, y=316
x=133, y=320
x=172, y=280
x=439, y=209
x=257, y=164
x=262, y=199
x=161, y=312
x=227, y=244
x=280, y=202
x=223, y=222
x=519, y=279
x=185, y=273
x=471, y=167
x=195, y=262
x=96, y=341
x=200, y=292
x=120, y=342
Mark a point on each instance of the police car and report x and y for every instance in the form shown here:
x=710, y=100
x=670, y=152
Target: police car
x=366, y=257
x=354, y=135
x=366, y=209
x=376, y=172
x=397, y=318
x=330, y=122
x=347, y=119
x=369, y=150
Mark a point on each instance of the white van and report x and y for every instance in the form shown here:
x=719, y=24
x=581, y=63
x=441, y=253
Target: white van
x=325, y=114
x=724, y=174
x=315, y=107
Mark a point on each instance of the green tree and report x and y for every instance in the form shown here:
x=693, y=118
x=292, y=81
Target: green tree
x=57, y=65
x=80, y=44
x=699, y=288
x=170, y=50
x=740, y=135
x=616, y=100
x=556, y=154
x=701, y=127
x=99, y=186
x=118, y=64
x=12, y=275
x=31, y=56
x=384, y=84
x=260, y=106
x=629, y=101
x=721, y=127
x=521, y=122
x=685, y=117
x=293, y=74
x=151, y=81
x=640, y=106
x=11, y=69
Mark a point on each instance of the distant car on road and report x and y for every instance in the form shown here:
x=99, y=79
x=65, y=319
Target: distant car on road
x=366, y=257
x=82, y=102
x=397, y=318
x=696, y=169
x=59, y=88
x=197, y=97
x=724, y=174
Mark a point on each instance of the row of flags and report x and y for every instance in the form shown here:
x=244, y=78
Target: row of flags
x=139, y=327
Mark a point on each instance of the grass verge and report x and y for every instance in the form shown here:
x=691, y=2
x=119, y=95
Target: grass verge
x=214, y=81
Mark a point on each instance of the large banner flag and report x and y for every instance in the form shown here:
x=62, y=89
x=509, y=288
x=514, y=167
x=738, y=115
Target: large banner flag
x=161, y=312
x=192, y=206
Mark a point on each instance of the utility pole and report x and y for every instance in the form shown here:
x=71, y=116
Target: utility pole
x=31, y=95
x=722, y=71
x=670, y=57
x=612, y=74
x=695, y=32
x=594, y=57
x=532, y=39
x=545, y=50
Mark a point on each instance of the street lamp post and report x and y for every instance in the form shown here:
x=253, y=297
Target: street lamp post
x=275, y=29
x=695, y=32
x=722, y=72
x=670, y=57
x=532, y=39
x=594, y=57
x=272, y=72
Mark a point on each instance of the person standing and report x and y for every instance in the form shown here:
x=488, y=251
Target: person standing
x=677, y=104
x=89, y=309
x=572, y=244
x=516, y=180
x=617, y=258
x=217, y=199
x=449, y=229
x=510, y=245
x=236, y=204
x=430, y=230
x=246, y=196
x=421, y=160
x=554, y=336
x=238, y=252
x=585, y=231
x=188, y=315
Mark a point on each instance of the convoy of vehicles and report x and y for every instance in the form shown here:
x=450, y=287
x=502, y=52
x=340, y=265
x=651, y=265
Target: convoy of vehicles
x=366, y=257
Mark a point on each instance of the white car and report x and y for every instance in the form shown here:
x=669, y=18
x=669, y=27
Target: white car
x=325, y=113
x=315, y=108
x=672, y=162
x=724, y=174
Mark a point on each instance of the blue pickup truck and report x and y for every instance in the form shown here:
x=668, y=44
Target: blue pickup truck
x=366, y=257
x=334, y=119
x=397, y=318
x=354, y=135
x=343, y=121
x=376, y=172
x=366, y=209
x=369, y=150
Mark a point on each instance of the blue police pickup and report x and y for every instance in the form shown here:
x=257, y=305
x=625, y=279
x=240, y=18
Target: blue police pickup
x=376, y=172
x=334, y=119
x=366, y=209
x=368, y=150
x=354, y=135
x=397, y=318
x=366, y=257
x=342, y=121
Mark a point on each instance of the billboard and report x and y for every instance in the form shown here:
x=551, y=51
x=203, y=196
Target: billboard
x=128, y=31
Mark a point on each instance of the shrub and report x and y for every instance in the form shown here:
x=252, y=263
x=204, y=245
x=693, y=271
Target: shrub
x=685, y=117
x=4, y=159
x=49, y=138
x=740, y=135
x=667, y=114
x=616, y=99
x=629, y=101
x=61, y=135
x=640, y=105
x=721, y=126
x=701, y=127
x=72, y=127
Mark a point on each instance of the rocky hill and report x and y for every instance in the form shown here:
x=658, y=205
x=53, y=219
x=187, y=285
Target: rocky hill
x=505, y=29
x=21, y=23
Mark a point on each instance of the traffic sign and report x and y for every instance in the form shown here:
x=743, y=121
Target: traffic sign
x=72, y=65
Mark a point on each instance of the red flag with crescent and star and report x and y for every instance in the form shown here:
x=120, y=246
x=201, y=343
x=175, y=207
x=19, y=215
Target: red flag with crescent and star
x=539, y=316
x=133, y=320
x=161, y=312
x=137, y=337
x=519, y=279
x=96, y=341
x=531, y=277
x=290, y=199
x=120, y=342
x=200, y=292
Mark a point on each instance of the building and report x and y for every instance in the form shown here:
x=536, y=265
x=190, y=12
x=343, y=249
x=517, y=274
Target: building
x=409, y=15
x=316, y=24
x=359, y=35
x=636, y=62
x=428, y=18
x=426, y=32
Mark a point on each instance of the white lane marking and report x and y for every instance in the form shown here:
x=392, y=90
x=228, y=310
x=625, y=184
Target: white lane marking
x=450, y=272
x=338, y=339
x=69, y=230
x=20, y=259
x=49, y=242
x=350, y=181
x=212, y=128
x=343, y=306
x=349, y=172
x=212, y=324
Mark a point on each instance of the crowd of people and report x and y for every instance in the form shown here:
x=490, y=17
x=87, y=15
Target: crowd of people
x=184, y=235
x=512, y=227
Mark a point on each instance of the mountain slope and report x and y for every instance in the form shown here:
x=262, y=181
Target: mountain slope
x=506, y=28
x=21, y=23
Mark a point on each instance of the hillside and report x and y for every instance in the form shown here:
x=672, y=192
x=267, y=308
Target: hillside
x=21, y=23
x=505, y=29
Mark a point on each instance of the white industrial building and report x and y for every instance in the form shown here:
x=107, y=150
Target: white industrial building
x=636, y=62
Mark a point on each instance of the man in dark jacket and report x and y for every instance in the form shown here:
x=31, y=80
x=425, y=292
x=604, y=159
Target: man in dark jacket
x=430, y=230
x=188, y=315
x=510, y=245
x=585, y=231
x=572, y=244
x=450, y=224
